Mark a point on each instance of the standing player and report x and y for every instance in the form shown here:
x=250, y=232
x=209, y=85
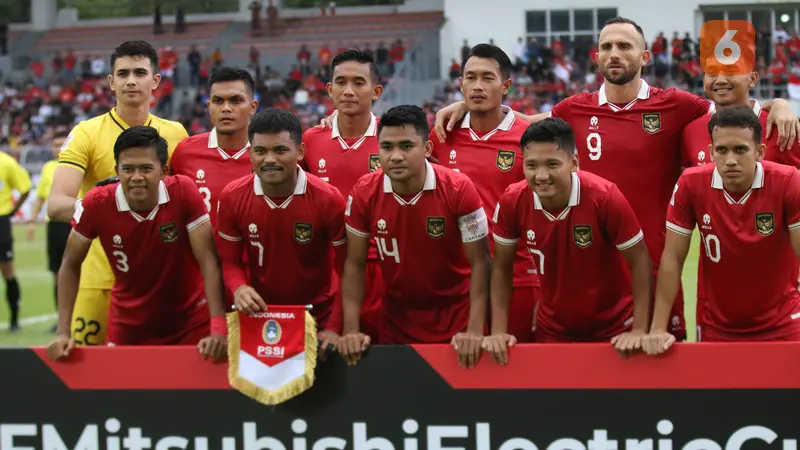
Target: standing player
x=629, y=133
x=581, y=228
x=87, y=158
x=12, y=178
x=748, y=211
x=157, y=230
x=348, y=150
x=430, y=229
x=57, y=232
x=288, y=222
x=218, y=157
x=486, y=148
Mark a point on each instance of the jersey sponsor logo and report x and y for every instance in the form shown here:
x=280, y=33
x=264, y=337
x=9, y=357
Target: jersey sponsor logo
x=374, y=162
x=505, y=159
x=272, y=332
x=765, y=223
x=582, y=234
x=651, y=122
x=436, y=227
x=302, y=232
x=169, y=232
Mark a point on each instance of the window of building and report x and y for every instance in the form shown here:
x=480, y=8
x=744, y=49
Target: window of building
x=570, y=25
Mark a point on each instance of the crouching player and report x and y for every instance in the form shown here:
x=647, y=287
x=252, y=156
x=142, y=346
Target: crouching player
x=156, y=233
x=748, y=211
x=595, y=270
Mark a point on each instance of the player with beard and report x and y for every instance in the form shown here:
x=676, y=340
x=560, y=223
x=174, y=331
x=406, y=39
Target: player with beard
x=345, y=148
x=87, y=158
x=218, y=157
x=629, y=133
x=486, y=149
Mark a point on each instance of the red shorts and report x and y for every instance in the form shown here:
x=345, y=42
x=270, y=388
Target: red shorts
x=522, y=313
x=542, y=336
x=790, y=333
x=372, y=306
x=196, y=328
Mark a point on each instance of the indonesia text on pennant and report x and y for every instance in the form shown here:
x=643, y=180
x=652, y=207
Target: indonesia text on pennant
x=272, y=355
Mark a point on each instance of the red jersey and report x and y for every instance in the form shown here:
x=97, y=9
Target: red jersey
x=289, y=241
x=200, y=158
x=750, y=266
x=635, y=146
x=419, y=242
x=695, y=142
x=586, y=283
x=493, y=162
x=158, y=285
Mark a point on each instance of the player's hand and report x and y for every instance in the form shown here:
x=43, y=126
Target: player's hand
x=786, y=124
x=352, y=345
x=30, y=229
x=327, y=343
x=61, y=348
x=497, y=345
x=247, y=300
x=657, y=343
x=628, y=343
x=447, y=118
x=468, y=348
x=327, y=122
x=215, y=346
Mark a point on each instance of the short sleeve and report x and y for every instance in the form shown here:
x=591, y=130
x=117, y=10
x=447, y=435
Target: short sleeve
x=85, y=220
x=791, y=201
x=45, y=182
x=227, y=227
x=562, y=109
x=335, y=213
x=20, y=180
x=77, y=149
x=438, y=148
x=194, y=208
x=472, y=221
x=175, y=166
x=619, y=221
x=680, y=217
x=686, y=148
x=505, y=227
x=356, y=212
x=690, y=106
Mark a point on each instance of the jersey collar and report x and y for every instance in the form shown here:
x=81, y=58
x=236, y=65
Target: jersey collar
x=299, y=189
x=429, y=185
x=505, y=125
x=213, y=142
x=644, y=94
x=758, y=182
x=372, y=131
x=574, y=200
x=123, y=206
x=121, y=123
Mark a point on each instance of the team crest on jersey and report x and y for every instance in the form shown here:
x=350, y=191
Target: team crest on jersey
x=765, y=223
x=582, y=234
x=302, y=232
x=169, y=232
x=651, y=122
x=505, y=160
x=436, y=227
x=374, y=162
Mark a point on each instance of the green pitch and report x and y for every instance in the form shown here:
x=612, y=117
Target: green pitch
x=38, y=308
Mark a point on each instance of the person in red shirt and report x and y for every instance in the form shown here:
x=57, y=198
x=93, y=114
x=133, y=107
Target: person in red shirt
x=486, y=149
x=430, y=228
x=748, y=211
x=324, y=56
x=346, y=150
x=220, y=156
x=290, y=223
x=613, y=125
x=577, y=223
x=156, y=230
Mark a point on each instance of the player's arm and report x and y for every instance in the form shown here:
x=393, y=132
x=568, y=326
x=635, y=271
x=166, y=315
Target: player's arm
x=680, y=224
x=201, y=238
x=784, y=120
x=353, y=342
x=329, y=337
x=792, y=211
x=67, y=179
x=20, y=182
x=448, y=117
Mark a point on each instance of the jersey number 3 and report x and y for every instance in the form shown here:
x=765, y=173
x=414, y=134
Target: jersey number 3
x=206, y=193
x=122, y=261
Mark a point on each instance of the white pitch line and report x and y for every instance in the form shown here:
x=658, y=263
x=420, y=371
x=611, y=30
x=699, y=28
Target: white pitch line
x=32, y=320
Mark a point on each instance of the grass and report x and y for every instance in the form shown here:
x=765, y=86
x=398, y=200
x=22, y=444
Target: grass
x=36, y=284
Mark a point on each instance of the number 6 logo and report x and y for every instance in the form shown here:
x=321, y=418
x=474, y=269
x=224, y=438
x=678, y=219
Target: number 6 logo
x=727, y=47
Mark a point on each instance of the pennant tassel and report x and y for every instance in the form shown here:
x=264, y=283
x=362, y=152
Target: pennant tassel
x=262, y=370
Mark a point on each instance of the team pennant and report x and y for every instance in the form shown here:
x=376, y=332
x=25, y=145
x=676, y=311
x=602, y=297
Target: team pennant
x=272, y=355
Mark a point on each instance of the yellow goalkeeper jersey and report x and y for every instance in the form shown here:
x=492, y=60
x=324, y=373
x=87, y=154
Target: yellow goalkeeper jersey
x=90, y=149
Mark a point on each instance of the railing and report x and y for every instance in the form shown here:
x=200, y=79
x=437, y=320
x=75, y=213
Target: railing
x=555, y=397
